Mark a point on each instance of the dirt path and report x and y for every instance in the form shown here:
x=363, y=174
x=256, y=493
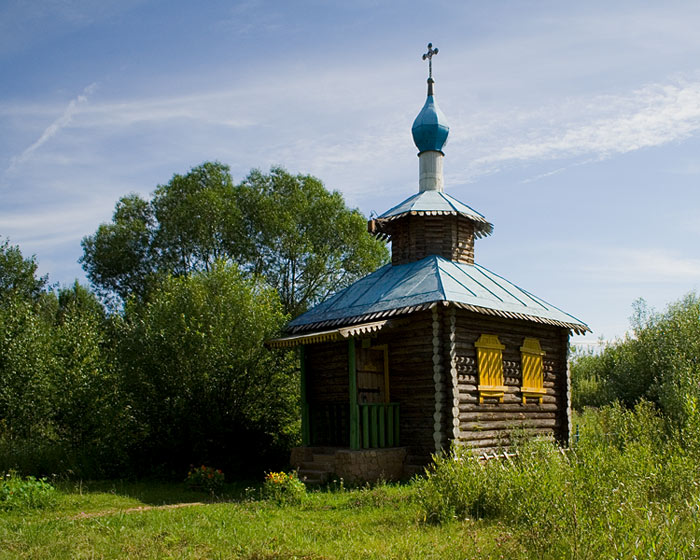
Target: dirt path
x=83, y=515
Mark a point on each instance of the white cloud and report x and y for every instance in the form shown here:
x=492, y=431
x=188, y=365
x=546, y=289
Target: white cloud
x=641, y=266
x=603, y=126
x=53, y=129
x=206, y=107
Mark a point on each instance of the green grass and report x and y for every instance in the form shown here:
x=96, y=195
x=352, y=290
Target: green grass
x=159, y=520
x=380, y=522
x=629, y=488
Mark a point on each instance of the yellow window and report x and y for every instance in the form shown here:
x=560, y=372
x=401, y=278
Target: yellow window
x=533, y=376
x=489, y=352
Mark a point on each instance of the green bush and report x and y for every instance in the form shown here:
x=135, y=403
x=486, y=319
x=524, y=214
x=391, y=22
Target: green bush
x=199, y=381
x=27, y=362
x=608, y=496
x=460, y=485
x=17, y=493
x=589, y=386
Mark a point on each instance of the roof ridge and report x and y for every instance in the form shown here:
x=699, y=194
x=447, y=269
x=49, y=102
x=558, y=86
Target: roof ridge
x=532, y=296
x=438, y=270
x=481, y=269
x=453, y=277
x=449, y=198
x=394, y=289
x=403, y=202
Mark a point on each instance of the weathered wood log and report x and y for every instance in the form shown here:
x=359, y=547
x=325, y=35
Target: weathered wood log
x=508, y=424
x=470, y=407
x=497, y=438
x=505, y=416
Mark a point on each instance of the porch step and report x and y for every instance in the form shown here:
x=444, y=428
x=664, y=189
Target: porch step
x=318, y=470
x=313, y=477
x=325, y=449
x=311, y=467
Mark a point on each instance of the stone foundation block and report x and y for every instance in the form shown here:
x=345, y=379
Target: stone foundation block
x=370, y=465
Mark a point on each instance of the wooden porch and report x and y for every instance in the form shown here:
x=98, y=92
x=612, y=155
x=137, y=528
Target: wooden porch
x=367, y=420
x=329, y=424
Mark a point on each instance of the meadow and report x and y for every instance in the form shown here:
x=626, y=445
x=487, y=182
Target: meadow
x=103, y=520
x=629, y=487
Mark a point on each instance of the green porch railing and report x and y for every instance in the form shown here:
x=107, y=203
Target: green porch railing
x=379, y=424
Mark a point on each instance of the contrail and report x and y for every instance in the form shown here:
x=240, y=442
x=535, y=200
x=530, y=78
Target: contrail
x=54, y=127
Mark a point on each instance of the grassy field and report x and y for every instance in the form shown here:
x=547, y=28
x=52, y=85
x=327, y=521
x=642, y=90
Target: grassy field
x=628, y=488
x=150, y=520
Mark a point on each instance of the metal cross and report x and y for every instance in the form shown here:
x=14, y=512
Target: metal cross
x=429, y=55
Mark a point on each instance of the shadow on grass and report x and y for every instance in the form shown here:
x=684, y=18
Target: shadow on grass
x=156, y=493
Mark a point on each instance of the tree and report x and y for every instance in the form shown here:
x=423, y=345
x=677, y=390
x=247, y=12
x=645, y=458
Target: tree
x=90, y=416
x=120, y=258
x=198, y=220
x=17, y=274
x=60, y=405
x=659, y=362
x=304, y=239
x=287, y=228
x=202, y=386
x=26, y=367
x=26, y=357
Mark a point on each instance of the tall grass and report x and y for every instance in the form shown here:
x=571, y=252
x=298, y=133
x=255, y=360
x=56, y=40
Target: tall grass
x=627, y=488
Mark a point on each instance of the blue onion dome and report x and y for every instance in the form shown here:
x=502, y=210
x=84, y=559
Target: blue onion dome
x=430, y=128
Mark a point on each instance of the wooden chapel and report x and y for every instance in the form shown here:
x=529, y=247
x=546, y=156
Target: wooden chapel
x=430, y=350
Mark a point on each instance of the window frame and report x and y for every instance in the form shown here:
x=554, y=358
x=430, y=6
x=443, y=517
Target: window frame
x=489, y=352
x=532, y=370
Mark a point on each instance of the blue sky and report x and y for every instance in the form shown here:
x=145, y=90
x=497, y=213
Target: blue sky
x=575, y=127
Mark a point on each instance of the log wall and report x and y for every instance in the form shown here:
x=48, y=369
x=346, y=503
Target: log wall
x=489, y=425
x=412, y=383
x=327, y=382
x=416, y=237
x=327, y=373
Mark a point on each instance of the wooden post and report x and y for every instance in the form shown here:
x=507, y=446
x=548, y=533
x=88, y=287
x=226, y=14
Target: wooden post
x=566, y=432
x=375, y=424
x=365, y=426
x=382, y=425
x=454, y=378
x=385, y=347
x=354, y=419
x=305, y=427
x=390, y=422
x=397, y=428
x=438, y=379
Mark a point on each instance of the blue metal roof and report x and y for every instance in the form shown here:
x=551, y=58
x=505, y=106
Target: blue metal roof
x=432, y=279
x=432, y=201
x=437, y=202
x=430, y=128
